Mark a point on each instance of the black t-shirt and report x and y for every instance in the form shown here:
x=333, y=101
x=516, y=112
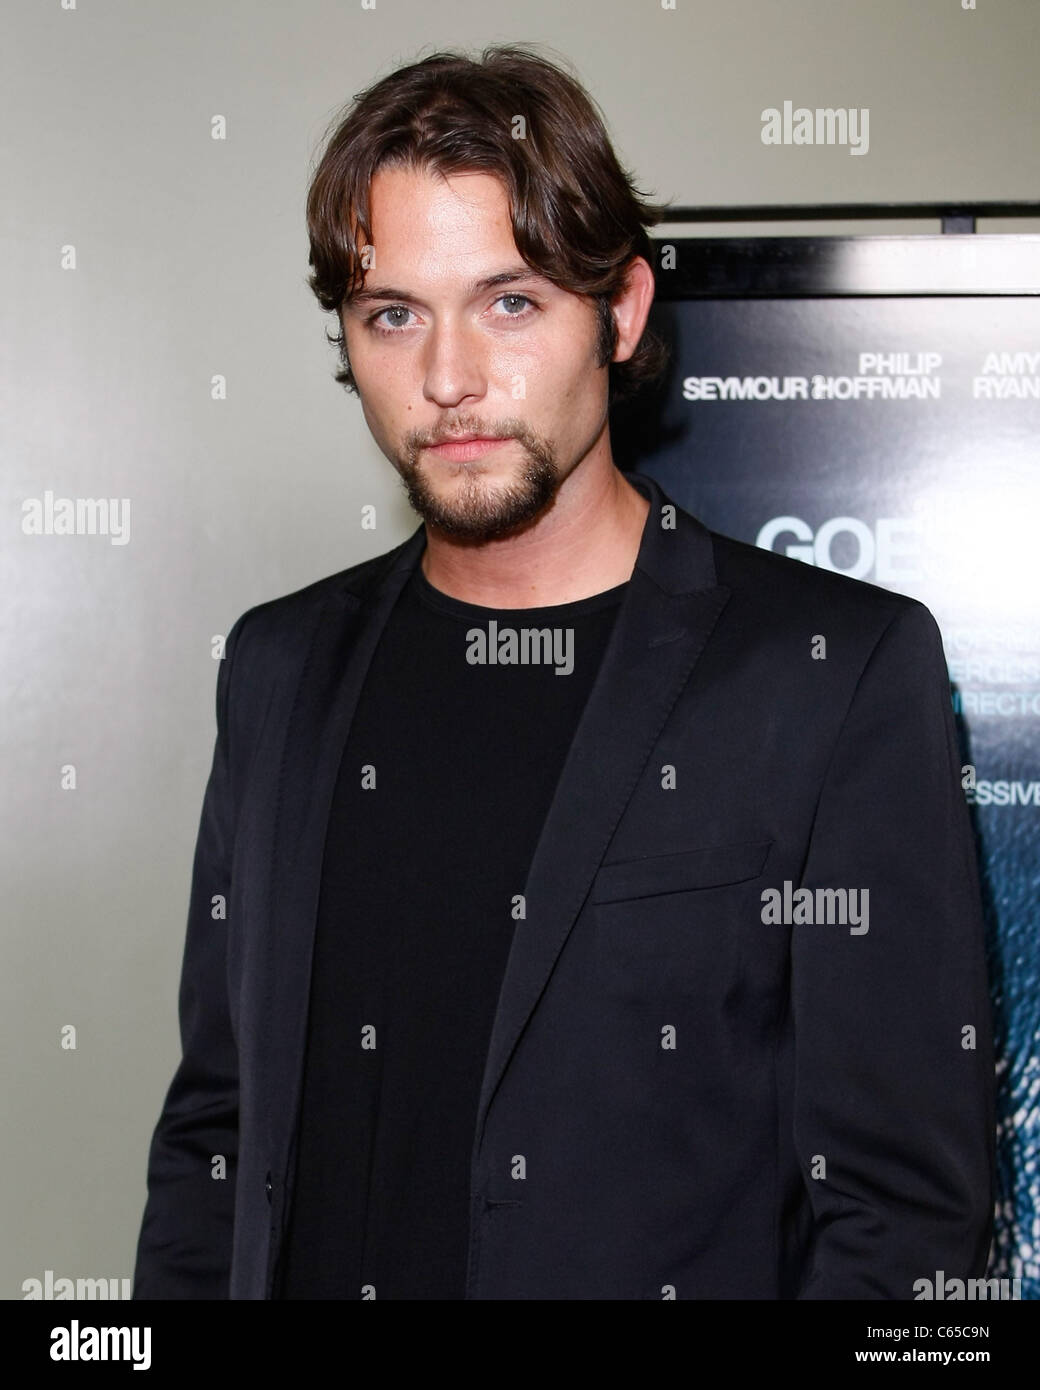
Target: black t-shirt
x=446, y=777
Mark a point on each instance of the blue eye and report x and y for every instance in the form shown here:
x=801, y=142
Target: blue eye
x=391, y=309
x=387, y=330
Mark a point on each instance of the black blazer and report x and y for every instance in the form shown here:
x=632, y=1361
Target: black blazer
x=683, y=1096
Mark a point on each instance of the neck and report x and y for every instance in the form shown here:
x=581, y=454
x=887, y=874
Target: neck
x=586, y=542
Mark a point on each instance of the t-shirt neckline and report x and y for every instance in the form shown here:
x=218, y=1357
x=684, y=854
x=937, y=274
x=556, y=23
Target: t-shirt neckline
x=459, y=608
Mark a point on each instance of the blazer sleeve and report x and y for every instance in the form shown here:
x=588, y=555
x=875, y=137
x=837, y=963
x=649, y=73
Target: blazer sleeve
x=894, y=1072
x=184, y=1247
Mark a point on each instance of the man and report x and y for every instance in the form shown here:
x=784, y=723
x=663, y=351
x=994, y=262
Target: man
x=584, y=904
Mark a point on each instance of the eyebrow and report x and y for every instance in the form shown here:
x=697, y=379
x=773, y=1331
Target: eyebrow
x=487, y=282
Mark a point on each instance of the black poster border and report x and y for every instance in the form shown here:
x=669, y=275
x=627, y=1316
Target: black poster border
x=827, y=267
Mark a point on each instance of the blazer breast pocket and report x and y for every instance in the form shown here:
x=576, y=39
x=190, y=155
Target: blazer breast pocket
x=714, y=866
x=671, y=927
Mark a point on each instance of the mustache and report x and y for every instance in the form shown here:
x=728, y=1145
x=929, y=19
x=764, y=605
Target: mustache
x=460, y=436
x=463, y=427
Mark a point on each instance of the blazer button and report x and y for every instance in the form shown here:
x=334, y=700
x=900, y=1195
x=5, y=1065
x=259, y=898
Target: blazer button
x=268, y=1186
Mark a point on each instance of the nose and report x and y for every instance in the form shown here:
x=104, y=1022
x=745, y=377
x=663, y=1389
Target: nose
x=455, y=365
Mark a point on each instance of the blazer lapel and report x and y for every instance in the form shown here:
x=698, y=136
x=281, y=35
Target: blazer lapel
x=341, y=646
x=666, y=616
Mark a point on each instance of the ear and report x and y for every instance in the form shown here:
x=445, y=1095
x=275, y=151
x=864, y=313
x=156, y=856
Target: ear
x=631, y=307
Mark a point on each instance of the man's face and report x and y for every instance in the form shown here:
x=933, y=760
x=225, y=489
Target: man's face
x=438, y=355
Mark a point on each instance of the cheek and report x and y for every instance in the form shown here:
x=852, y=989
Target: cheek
x=547, y=371
x=382, y=383
x=372, y=360
x=379, y=408
x=517, y=372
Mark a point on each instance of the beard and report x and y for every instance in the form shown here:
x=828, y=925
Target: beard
x=476, y=508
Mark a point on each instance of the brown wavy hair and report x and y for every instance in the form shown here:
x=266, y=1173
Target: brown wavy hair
x=577, y=217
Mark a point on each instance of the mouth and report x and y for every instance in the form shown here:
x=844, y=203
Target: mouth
x=470, y=446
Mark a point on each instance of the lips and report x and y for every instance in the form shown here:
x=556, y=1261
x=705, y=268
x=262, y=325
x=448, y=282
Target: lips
x=467, y=449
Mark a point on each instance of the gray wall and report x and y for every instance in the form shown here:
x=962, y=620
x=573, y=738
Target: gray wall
x=191, y=256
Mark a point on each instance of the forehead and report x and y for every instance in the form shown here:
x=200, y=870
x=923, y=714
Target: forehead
x=421, y=219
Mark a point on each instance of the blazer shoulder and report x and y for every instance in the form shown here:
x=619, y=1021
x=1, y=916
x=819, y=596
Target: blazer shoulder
x=779, y=584
x=775, y=600
x=277, y=625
